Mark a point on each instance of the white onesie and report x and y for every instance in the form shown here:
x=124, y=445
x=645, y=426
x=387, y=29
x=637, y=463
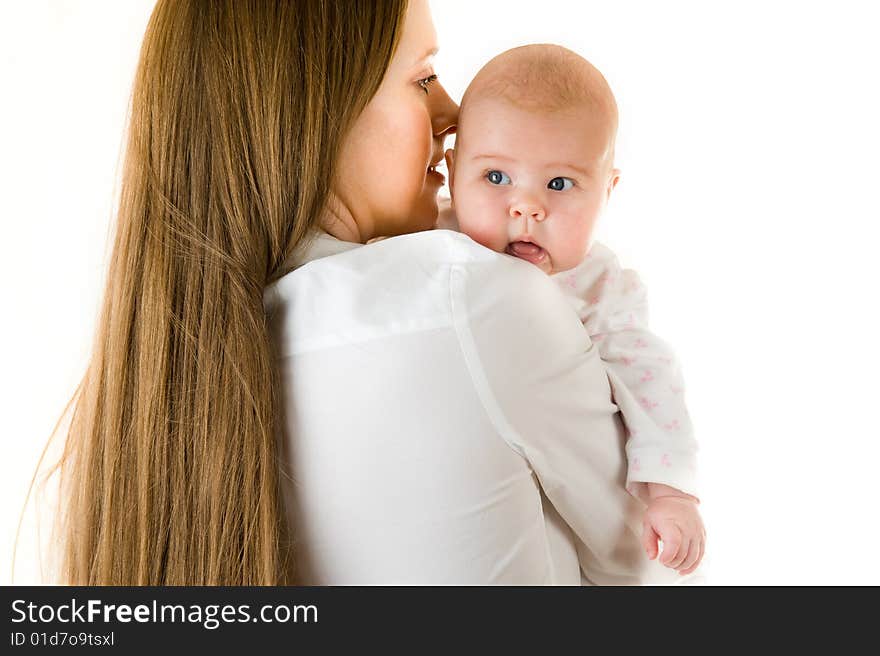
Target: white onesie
x=645, y=378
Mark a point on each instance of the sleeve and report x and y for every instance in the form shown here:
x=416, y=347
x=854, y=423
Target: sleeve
x=545, y=389
x=644, y=373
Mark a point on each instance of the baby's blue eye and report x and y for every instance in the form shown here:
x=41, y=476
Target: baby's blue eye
x=560, y=184
x=498, y=177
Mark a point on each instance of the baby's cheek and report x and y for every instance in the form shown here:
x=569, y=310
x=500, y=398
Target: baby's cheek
x=479, y=222
x=567, y=255
x=572, y=235
x=490, y=234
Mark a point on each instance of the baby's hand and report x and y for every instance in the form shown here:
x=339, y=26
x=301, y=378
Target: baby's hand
x=676, y=521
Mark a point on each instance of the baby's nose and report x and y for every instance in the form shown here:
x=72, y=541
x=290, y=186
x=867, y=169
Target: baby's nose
x=529, y=210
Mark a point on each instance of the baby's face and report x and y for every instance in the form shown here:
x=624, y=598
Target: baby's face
x=531, y=185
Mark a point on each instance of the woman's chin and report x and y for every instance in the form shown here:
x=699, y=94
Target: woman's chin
x=419, y=219
x=425, y=213
x=422, y=215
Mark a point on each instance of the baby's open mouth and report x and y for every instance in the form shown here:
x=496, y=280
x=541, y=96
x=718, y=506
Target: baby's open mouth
x=526, y=250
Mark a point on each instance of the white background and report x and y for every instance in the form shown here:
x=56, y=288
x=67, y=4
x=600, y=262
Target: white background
x=749, y=145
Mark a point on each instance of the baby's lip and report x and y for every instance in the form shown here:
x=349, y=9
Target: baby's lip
x=525, y=239
x=526, y=249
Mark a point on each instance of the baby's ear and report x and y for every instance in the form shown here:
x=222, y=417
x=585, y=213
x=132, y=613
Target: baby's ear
x=613, y=180
x=450, y=157
x=450, y=166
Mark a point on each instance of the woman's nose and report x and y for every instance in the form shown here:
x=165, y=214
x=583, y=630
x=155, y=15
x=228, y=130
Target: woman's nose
x=444, y=111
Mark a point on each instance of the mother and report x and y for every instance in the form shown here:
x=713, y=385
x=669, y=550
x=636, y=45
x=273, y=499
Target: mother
x=419, y=409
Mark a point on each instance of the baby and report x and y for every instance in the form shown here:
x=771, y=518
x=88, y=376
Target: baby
x=530, y=175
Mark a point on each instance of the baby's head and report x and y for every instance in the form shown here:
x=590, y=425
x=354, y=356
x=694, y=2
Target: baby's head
x=533, y=165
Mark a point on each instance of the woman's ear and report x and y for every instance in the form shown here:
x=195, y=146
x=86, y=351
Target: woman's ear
x=450, y=168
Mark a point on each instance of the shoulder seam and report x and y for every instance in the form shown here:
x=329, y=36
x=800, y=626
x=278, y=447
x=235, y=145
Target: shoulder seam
x=475, y=366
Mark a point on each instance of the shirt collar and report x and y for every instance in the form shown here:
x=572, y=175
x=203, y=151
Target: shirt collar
x=321, y=244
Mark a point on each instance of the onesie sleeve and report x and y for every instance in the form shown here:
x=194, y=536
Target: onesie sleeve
x=645, y=375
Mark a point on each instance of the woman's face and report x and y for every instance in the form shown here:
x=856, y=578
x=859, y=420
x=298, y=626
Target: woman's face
x=384, y=179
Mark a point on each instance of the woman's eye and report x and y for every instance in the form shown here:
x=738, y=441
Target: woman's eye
x=498, y=177
x=425, y=82
x=560, y=184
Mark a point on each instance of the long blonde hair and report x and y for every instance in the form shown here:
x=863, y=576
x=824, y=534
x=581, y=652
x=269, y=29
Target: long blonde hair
x=170, y=471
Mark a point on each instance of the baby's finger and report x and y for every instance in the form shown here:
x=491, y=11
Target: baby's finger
x=699, y=559
x=676, y=561
x=693, y=554
x=671, y=545
x=682, y=554
x=649, y=540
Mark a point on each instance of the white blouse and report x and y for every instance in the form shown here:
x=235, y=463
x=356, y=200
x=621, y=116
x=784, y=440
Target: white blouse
x=447, y=421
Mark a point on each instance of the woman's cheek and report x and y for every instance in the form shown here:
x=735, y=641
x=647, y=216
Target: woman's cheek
x=401, y=150
x=415, y=151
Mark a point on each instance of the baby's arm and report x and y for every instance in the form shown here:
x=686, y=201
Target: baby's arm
x=648, y=388
x=645, y=377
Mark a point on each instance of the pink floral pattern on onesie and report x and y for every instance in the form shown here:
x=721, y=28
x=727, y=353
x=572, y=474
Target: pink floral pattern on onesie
x=646, y=382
